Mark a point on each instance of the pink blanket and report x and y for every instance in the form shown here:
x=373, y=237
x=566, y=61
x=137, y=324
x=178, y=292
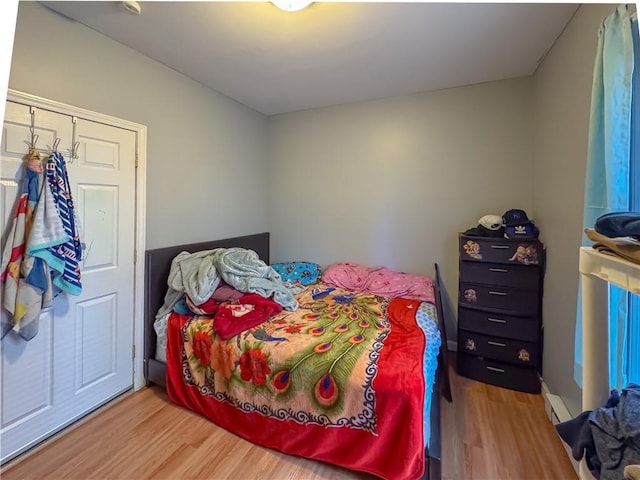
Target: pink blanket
x=379, y=281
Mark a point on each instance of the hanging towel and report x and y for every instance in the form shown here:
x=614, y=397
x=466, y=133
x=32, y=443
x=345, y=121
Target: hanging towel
x=48, y=231
x=26, y=280
x=63, y=258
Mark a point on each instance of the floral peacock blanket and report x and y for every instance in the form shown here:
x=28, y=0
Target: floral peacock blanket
x=340, y=379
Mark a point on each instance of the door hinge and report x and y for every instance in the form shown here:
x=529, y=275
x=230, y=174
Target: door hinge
x=135, y=255
x=133, y=351
x=136, y=160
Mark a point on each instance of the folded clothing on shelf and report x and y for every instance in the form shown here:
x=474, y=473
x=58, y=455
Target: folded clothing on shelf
x=625, y=247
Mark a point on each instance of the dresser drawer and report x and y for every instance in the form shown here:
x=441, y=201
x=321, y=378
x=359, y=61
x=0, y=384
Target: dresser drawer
x=500, y=274
x=499, y=325
x=515, y=301
x=506, y=350
x=498, y=250
x=498, y=373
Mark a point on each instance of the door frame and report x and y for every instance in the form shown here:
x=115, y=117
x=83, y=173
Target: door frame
x=140, y=208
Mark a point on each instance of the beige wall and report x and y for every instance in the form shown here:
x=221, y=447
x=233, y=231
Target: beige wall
x=562, y=98
x=392, y=182
x=206, y=153
x=387, y=182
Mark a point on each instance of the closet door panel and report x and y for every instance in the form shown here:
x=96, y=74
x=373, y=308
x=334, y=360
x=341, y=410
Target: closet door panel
x=28, y=388
x=15, y=131
x=100, y=320
x=28, y=364
x=99, y=207
x=96, y=341
x=82, y=354
x=8, y=195
x=29, y=381
x=97, y=151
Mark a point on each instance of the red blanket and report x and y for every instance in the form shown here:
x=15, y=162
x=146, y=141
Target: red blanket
x=361, y=409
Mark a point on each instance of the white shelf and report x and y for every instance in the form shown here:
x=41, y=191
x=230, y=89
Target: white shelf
x=597, y=271
x=611, y=269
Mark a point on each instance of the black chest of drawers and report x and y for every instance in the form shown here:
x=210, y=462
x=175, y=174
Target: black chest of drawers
x=500, y=328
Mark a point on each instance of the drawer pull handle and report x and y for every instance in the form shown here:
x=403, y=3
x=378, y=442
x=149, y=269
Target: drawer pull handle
x=503, y=247
x=502, y=294
x=494, y=369
x=496, y=344
x=496, y=320
x=501, y=270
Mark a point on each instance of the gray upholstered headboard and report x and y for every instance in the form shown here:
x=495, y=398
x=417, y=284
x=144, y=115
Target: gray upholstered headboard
x=157, y=266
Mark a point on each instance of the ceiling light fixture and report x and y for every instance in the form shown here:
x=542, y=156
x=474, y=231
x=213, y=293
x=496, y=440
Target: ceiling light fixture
x=132, y=7
x=291, y=5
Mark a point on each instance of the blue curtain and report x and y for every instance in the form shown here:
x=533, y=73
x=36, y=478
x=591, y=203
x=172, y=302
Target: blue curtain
x=608, y=164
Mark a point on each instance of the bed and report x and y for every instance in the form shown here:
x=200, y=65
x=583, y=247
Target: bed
x=295, y=427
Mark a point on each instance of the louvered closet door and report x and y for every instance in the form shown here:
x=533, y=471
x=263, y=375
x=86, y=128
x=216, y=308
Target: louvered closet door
x=82, y=354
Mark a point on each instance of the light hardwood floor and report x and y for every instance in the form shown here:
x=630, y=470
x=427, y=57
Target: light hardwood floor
x=489, y=433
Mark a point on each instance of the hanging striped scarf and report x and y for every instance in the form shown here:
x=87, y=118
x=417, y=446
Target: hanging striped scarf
x=70, y=252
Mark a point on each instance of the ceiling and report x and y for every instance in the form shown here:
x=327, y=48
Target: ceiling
x=331, y=53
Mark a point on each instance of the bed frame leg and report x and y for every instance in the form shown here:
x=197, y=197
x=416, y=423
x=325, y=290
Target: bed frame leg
x=434, y=471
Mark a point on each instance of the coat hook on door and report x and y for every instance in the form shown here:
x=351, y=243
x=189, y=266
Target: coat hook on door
x=31, y=143
x=75, y=145
x=54, y=149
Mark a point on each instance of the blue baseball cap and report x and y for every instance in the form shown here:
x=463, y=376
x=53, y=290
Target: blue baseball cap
x=619, y=224
x=526, y=231
x=515, y=217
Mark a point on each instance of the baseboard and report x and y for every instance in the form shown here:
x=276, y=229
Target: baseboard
x=558, y=412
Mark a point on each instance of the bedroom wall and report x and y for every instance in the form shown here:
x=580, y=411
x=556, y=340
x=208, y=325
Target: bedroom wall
x=387, y=182
x=562, y=99
x=392, y=182
x=206, y=153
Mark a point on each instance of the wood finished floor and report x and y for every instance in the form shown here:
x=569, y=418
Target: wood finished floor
x=489, y=433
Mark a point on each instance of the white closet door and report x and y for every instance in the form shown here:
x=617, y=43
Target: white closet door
x=82, y=354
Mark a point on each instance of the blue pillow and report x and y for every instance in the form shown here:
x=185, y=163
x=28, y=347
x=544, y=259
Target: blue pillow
x=298, y=272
